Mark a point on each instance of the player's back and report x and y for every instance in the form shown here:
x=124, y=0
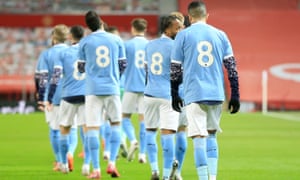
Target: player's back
x=135, y=73
x=48, y=64
x=158, y=61
x=73, y=81
x=209, y=41
x=205, y=48
x=101, y=51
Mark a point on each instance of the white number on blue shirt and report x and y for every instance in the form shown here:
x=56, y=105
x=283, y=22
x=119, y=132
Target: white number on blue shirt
x=103, y=59
x=139, y=58
x=156, y=67
x=205, y=53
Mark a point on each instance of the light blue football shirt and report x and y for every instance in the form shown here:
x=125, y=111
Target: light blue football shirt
x=201, y=49
x=73, y=82
x=101, y=51
x=47, y=65
x=39, y=61
x=134, y=73
x=158, y=60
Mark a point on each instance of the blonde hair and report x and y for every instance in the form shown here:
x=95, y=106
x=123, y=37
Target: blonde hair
x=60, y=33
x=179, y=15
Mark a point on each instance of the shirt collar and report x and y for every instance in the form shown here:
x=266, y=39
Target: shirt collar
x=165, y=36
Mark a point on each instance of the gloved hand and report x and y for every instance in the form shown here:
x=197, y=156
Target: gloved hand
x=177, y=102
x=81, y=66
x=234, y=105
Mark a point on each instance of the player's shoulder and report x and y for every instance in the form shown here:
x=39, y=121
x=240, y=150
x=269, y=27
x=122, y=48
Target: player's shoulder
x=58, y=47
x=152, y=41
x=136, y=40
x=217, y=30
x=115, y=38
x=50, y=51
x=162, y=42
x=166, y=40
x=88, y=38
x=73, y=47
x=43, y=53
x=129, y=42
x=112, y=36
x=70, y=50
x=84, y=41
x=183, y=33
x=42, y=56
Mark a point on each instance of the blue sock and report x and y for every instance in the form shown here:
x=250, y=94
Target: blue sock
x=142, y=138
x=168, y=146
x=128, y=129
x=94, y=147
x=202, y=172
x=200, y=157
x=87, y=154
x=107, y=133
x=102, y=130
x=82, y=136
x=181, y=145
x=64, y=147
x=212, y=154
x=152, y=149
x=123, y=136
x=115, y=140
x=54, y=140
x=73, y=140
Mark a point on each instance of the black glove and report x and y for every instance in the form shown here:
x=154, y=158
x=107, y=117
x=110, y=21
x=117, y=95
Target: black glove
x=234, y=105
x=177, y=102
x=81, y=66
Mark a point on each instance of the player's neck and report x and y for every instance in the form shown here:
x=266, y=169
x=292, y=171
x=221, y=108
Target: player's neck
x=198, y=20
x=139, y=34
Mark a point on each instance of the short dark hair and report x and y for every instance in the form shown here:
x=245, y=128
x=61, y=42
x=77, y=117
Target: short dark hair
x=166, y=21
x=197, y=9
x=139, y=24
x=92, y=20
x=187, y=22
x=111, y=29
x=77, y=32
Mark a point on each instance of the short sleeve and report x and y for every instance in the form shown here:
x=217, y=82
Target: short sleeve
x=177, y=50
x=227, y=46
x=122, y=54
x=81, y=55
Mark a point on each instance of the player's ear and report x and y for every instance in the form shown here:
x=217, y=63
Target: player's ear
x=207, y=16
x=167, y=32
x=190, y=18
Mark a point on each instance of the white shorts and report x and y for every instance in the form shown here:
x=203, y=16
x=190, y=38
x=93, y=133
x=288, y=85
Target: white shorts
x=95, y=106
x=159, y=114
x=52, y=117
x=182, y=117
x=133, y=103
x=71, y=114
x=203, y=117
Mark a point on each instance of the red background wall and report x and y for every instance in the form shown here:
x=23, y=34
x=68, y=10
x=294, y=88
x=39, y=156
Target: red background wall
x=40, y=20
x=17, y=83
x=263, y=34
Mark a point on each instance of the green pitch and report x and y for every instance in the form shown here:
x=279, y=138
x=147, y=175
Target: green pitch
x=252, y=147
